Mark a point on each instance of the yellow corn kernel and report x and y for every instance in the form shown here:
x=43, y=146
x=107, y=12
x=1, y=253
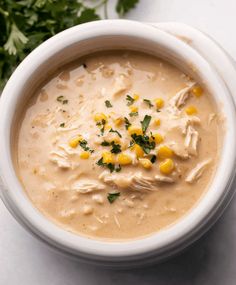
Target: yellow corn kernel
x=164, y=152
x=124, y=159
x=118, y=121
x=167, y=166
x=138, y=150
x=191, y=110
x=146, y=163
x=107, y=127
x=133, y=109
x=158, y=138
x=135, y=130
x=159, y=103
x=99, y=117
x=84, y=154
x=157, y=122
x=197, y=91
x=75, y=141
x=136, y=97
x=108, y=157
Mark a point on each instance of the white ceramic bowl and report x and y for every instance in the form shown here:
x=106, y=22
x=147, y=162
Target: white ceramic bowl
x=64, y=48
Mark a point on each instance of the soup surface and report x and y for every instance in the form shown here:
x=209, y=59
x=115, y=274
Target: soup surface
x=118, y=145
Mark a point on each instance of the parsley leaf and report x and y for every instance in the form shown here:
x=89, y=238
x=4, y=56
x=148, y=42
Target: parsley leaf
x=111, y=197
x=102, y=125
x=133, y=114
x=110, y=166
x=116, y=148
x=148, y=102
x=153, y=158
x=124, y=6
x=108, y=104
x=114, y=131
x=130, y=100
x=127, y=123
x=84, y=145
x=144, y=142
x=62, y=100
x=62, y=125
x=145, y=123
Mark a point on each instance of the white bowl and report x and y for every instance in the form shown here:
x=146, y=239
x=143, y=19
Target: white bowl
x=64, y=48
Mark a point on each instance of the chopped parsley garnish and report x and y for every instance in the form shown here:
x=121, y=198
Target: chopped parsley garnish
x=110, y=166
x=62, y=125
x=144, y=142
x=84, y=145
x=130, y=100
x=102, y=125
x=108, y=104
x=105, y=143
x=148, y=102
x=145, y=123
x=127, y=123
x=111, y=197
x=114, y=131
x=62, y=99
x=116, y=148
x=133, y=114
x=153, y=158
x=158, y=111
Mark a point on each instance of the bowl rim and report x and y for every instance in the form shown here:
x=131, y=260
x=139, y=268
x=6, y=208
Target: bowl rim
x=26, y=213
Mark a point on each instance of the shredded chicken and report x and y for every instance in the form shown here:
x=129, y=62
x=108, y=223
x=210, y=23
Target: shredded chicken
x=135, y=182
x=191, y=140
x=60, y=158
x=87, y=186
x=180, y=98
x=121, y=84
x=197, y=172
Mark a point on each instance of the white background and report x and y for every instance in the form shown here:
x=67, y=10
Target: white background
x=24, y=261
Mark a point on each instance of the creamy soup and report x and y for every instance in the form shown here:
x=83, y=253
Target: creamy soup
x=118, y=145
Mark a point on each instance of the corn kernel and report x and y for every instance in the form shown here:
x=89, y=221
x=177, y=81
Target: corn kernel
x=191, y=110
x=108, y=157
x=138, y=150
x=197, y=91
x=158, y=138
x=164, y=152
x=124, y=159
x=75, y=141
x=135, y=130
x=136, y=97
x=133, y=109
x=99, y=117
x=146, y=163
x=167, y=166
x=159, y=103
x=118, y=121
x=84, y=154
x=157, y=122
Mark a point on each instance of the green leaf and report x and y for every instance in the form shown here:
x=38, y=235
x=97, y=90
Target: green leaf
x=145, y=123
x=148, y=102
x=111, y=197
x=130, y=100
x=114, y=131
x=15, y=41
x=124, y=6
x=108, y=104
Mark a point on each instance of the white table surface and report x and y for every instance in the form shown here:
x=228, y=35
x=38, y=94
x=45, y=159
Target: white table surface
x=25, y=261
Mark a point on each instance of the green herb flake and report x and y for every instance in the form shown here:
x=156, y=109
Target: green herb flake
x=105, y=143
x=153, y=158
x=144, y=142
x=62, y=125
x=110, y=166
x=111, y=197
x=108, y=104
x=127, y=123
x=116, y=148
x=124, y=6
x=130, y=100
x=145, y=123
x=148, y=102
x=114, y=131
x=62, y=100
x=84, y=145
x=102, y=125
x=133, y=114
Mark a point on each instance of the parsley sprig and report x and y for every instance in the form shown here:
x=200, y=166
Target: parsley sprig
x=25, y=24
